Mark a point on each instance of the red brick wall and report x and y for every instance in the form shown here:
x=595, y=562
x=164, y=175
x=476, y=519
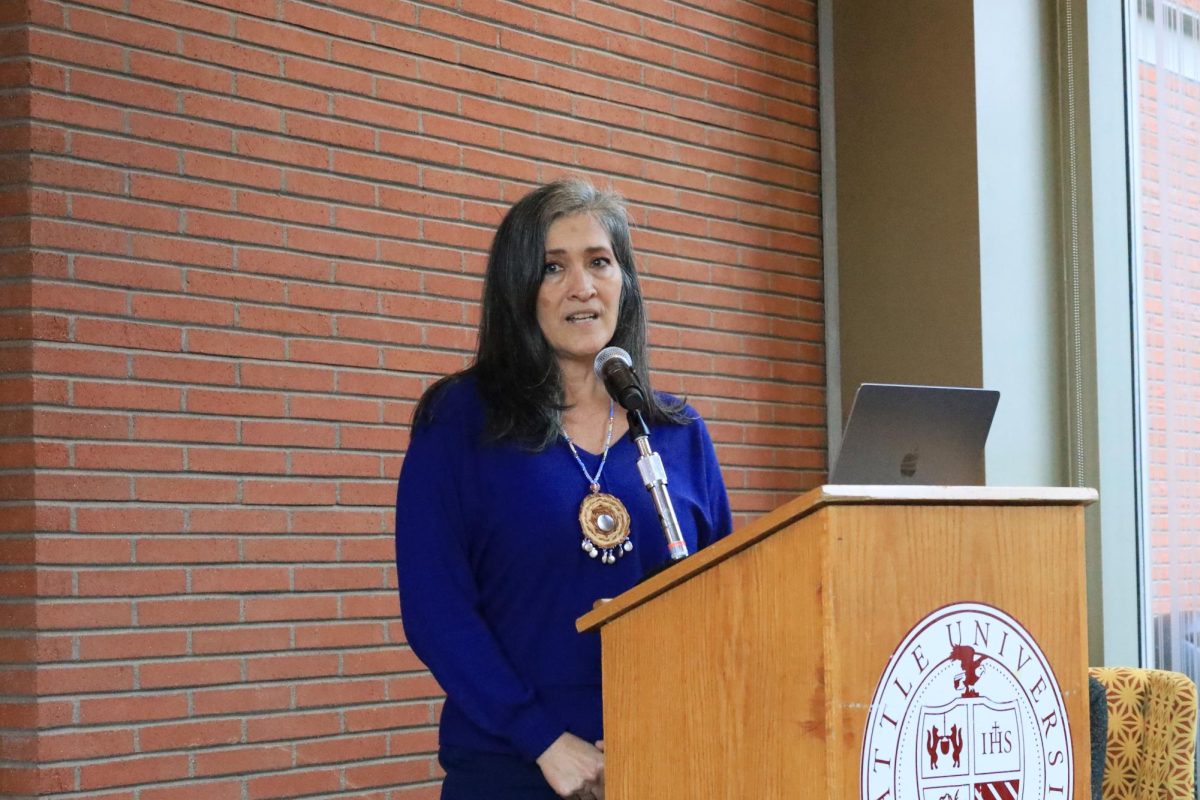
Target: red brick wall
x=257, y=232
x=1169, y=165
x=18, y=709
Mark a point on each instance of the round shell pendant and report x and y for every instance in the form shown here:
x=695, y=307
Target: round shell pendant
x=605, y=524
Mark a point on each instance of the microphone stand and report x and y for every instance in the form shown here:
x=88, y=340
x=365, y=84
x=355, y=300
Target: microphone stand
x=655, y=477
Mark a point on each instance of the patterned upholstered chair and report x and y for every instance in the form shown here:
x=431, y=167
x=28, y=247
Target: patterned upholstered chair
x=1151, y=734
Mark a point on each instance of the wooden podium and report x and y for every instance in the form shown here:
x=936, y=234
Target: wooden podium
x=898, y=617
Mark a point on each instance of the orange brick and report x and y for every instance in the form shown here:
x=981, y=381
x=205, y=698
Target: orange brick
x=339, y=635
x=183, y=429
x=191, y=672
x=241, y=700
x=209, y=790
x=79, y=486
x=230, y=169
x=385, y=774
x=132, y=582
x=125, y=519
x=241, y=287
x=57, y=679
x=118, y=645
x=132, y=771
x=208, y=225
x=283, y=150
x=262, y=609
x=131, y=335
x=139, y=707
x=282, y=93
x=141, y=397
x=187, y=611
x=283, y=434
x=343, y=748
x=387, y=717
x=294, y=783
x=243, y=639
x=186, y=550
x=234, y=403
x=243, y=759
x=240, y=579
x=132, y=457
x=308, y=323
x=382, y=662
x=267, y=667
x=183, y=369
x=229, y=54
x=179, y=250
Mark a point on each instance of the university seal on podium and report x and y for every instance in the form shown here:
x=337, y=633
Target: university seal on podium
x=967, y=709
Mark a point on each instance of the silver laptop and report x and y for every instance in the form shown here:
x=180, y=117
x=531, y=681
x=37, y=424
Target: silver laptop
x=920, y=435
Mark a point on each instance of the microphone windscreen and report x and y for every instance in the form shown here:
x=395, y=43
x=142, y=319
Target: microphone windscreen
x=614, y=367
x=605, y=355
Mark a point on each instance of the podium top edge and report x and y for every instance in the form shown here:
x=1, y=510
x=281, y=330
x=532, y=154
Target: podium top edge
x=818, y=498
x=954, y=495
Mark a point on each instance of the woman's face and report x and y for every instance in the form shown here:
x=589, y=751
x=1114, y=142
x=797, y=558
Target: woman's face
x=580, y=294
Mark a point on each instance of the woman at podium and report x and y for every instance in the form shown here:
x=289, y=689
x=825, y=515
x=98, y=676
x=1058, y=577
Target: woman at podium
x=520, y=502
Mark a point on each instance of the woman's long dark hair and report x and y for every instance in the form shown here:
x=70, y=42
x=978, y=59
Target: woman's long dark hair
x=515, y=368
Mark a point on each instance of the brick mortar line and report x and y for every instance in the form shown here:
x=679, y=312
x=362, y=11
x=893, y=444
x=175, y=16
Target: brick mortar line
x=124, y=536
x=354, y=261
x=306, y=681
x=437, y=272
x=236, y=389
x=196, y=444
x=366, y=235
x=815, y=304
x=333, y=508
x=119, y=726
x=73, y=663
x=187, y=356
x=290, y=335
x=380, y=761
x=205, y=596
x=331, y=392
x=257, y=656
x=398, y=426
x=402, y=187
x=374, y=591
x=502, y=25
x=209, y=416
x=547, y=12
x=442, y=165
x=331, y=91
x=389, y=790
x=495, y=48
x=393, y=347
x=186, y=472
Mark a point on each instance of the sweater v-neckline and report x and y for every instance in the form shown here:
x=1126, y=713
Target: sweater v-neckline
x=597, y=456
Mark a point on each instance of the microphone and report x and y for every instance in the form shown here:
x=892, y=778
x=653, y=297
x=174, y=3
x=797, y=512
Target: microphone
x=614, y=366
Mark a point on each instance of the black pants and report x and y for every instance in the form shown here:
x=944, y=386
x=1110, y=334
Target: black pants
x=472, y=775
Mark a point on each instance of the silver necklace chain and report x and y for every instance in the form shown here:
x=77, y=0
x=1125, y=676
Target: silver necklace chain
x=594, y=482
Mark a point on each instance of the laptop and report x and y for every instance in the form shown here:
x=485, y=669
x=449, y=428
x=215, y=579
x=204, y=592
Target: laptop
x=919, y=435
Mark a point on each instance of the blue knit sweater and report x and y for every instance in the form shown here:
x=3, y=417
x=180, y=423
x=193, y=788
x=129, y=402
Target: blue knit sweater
x=492, y=575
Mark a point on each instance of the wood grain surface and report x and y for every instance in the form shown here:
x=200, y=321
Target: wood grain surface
x=751, y=673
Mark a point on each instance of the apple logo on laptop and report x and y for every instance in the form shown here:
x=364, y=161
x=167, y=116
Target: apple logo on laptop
x=908, y=464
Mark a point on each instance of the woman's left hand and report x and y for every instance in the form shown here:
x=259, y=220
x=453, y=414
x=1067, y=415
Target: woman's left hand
x=573, y=768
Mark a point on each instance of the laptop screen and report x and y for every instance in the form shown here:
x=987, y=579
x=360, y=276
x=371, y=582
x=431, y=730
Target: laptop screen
x=919, y=435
